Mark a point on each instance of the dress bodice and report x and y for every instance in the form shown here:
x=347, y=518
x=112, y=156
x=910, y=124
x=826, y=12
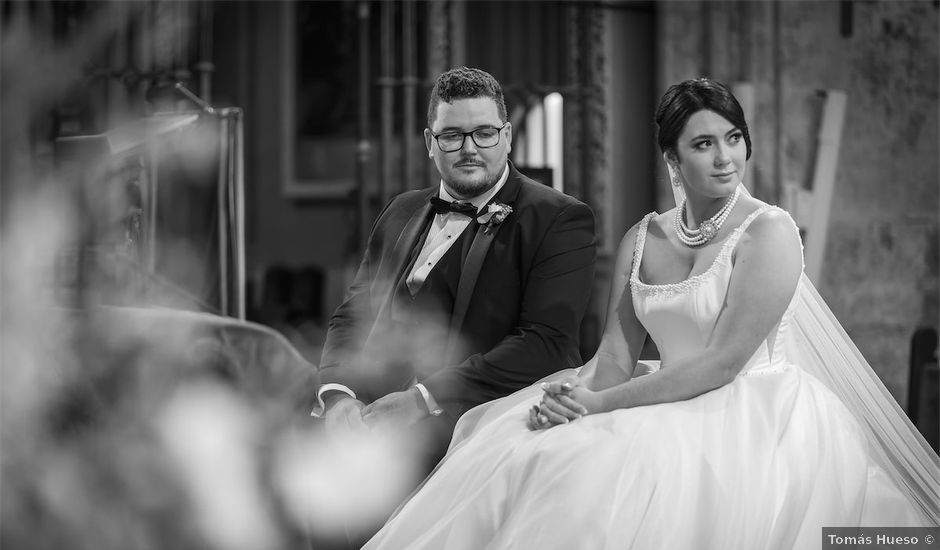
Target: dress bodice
x=681, y=317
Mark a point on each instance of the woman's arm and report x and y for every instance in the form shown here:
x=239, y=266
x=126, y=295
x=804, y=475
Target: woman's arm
x=623, y=336
x=767, y=267
x=617, y=354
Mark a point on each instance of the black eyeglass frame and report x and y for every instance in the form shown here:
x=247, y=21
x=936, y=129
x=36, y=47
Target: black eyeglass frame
x=463, y=137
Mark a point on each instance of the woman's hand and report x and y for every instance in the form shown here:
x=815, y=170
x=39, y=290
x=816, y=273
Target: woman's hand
x=572, y=394
x=537, y=421
x=564, y=400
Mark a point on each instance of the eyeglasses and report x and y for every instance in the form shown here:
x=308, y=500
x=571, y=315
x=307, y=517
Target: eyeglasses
x=484, y=138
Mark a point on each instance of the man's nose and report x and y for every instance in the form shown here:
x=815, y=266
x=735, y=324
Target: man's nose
x=469, y=146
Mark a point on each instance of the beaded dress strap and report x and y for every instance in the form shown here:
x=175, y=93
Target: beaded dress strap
x=638, y=247
x=742, y=227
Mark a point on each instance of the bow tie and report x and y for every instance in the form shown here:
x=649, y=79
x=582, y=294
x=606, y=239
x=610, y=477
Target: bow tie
x=441, y=206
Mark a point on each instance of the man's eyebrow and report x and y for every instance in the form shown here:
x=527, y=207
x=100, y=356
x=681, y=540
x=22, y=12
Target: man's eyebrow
x=459, y=129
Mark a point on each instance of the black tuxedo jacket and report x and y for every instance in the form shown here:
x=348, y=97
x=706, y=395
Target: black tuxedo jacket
x=519, y=318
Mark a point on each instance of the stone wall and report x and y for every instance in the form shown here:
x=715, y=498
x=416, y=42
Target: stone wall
x=880, y=274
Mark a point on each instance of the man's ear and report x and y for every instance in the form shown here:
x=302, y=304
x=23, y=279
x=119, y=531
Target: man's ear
x=427, y=142
x=508, y=130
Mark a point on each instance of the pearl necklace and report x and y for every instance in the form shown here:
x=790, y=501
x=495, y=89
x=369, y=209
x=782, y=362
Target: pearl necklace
x=707, y=229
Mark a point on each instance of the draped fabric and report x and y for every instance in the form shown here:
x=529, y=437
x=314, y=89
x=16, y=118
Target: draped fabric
x=819, y=344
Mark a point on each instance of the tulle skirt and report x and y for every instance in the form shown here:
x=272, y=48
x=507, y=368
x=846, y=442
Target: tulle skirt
x=764, y=462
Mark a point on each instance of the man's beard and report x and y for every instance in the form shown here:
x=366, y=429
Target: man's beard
x=470, y=189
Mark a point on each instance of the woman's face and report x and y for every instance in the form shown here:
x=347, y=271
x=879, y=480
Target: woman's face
x=712, y=155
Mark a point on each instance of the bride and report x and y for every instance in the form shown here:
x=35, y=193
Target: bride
x=763, y=425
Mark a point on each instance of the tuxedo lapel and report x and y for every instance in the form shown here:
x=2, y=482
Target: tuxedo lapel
x=401, y=253
x=468, y=280
x=400, y=256
x=473, y=263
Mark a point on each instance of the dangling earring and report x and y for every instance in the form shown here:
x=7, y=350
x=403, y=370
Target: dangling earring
x=676, y=182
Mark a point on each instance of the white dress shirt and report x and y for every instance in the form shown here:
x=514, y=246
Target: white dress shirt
x=444, y=231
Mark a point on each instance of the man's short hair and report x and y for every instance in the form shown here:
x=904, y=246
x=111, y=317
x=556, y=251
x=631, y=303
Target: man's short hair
x=465, y=83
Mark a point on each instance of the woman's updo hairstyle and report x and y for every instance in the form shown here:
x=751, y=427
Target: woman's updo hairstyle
x=686, y=98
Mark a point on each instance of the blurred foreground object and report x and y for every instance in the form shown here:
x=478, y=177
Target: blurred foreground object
x=147, y=425
x=161, y=201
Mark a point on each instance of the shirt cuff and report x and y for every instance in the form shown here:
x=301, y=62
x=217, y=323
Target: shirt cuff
x=320, y=408
x=433, y=408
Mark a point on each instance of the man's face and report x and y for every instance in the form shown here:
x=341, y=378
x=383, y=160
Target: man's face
x=471, y=170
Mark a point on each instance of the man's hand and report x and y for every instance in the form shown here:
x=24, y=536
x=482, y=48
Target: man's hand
x=400, y=409
x=345, y=414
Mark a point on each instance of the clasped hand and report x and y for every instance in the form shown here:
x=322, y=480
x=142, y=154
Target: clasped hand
x=398, y=409
x=563, y=401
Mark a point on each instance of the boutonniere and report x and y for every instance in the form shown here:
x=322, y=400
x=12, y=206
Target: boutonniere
x=496, y=212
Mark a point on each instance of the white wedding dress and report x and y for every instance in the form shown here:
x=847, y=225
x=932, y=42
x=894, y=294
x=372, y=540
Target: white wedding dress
x=763, y=462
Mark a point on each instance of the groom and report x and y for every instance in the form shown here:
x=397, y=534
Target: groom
x=468, y=291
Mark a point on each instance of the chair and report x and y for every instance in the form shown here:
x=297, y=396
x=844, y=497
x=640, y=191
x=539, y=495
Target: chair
x=923, y=401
